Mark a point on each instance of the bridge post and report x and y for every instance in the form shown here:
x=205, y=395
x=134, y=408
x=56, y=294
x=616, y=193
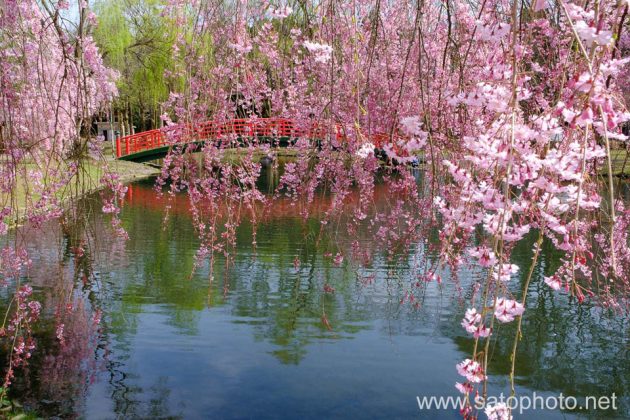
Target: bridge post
x=118, y=147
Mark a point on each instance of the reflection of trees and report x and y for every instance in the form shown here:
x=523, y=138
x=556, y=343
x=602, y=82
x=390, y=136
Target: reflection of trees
x=136, y=402
x=64, y=363
x=260, y=286
x=564, y=347
x=284, y=306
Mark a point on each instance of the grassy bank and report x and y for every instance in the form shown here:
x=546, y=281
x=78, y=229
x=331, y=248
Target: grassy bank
x=86, y=180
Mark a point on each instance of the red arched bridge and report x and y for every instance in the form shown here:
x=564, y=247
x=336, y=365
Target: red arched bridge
x=153, y=144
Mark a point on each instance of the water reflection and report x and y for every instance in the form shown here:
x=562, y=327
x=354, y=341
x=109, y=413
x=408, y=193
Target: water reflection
x=262, y=337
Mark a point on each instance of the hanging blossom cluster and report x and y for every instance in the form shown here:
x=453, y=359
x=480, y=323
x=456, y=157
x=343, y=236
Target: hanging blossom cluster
x=528, y=165
x=514, y=115
x=271, y=65
x=321, y=52
x=280, y=12
x=52, y=82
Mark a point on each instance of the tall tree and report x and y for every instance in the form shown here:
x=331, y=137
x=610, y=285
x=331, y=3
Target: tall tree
x=137, y=41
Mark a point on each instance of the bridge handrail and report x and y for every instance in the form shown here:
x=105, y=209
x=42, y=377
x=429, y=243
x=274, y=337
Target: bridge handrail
x=243, y=127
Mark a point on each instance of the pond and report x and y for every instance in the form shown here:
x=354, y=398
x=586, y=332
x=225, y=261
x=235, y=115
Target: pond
x=265, y=338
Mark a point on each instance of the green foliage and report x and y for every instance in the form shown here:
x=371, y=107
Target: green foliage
x=138, y=42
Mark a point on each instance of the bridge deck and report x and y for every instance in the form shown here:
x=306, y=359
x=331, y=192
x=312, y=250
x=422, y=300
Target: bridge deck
x=153, y=144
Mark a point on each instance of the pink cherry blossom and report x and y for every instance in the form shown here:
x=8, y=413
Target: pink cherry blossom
x=471, y=370
x=499, y=411
x=506, y=310
x=473, y=324
x=321, y=52
x=553, y=282
x=464, y=388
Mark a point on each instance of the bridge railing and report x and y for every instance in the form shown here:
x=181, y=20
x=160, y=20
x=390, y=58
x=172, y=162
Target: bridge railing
x=245, y=127
x=139, y=142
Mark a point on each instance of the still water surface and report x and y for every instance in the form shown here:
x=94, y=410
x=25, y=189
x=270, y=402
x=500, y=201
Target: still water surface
x=249, y=341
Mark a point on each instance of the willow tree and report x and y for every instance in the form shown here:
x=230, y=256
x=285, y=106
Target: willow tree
x=136, y=41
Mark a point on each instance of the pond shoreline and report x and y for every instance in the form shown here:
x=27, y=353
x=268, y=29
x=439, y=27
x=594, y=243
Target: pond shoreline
x=128, y=171
x=88, y=182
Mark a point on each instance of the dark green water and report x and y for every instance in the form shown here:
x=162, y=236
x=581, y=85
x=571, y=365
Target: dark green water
x=249, y=341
